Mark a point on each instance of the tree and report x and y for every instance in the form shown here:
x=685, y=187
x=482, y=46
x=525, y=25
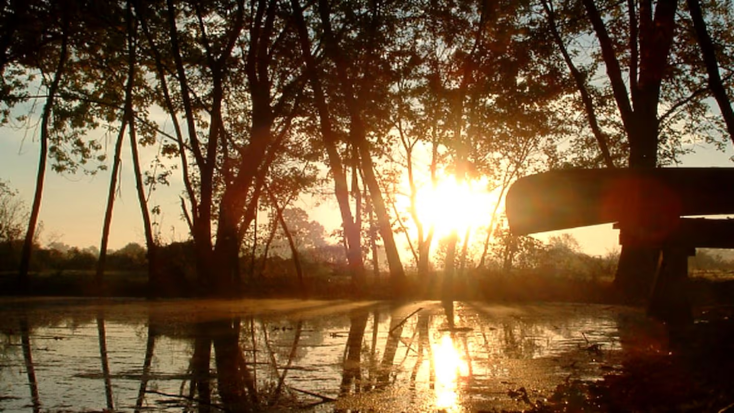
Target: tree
x=116, y=160
x=13, y=214
x=13, y=218
x=463, y=90
x=476, y=98
x=358, y=132
x=651, y=31
x=57, y=52
x=330, y=139
x=52, y=86
x=581, y=84
x=708, y=52
x=237, y=95
x=156, y=284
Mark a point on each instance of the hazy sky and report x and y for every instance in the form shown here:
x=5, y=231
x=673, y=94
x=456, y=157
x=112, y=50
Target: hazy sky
x=73, y=206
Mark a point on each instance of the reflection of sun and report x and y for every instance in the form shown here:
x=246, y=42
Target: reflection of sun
x=449, y=366
x=454, y=206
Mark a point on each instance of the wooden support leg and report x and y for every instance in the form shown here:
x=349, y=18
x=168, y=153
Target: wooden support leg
x=669, y=301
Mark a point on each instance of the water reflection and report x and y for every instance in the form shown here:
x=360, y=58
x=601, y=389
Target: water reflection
x=28, y=361
x=102, y=335
x=352, y=374
x=448, y=370
x=147, y=361
x=319, y=356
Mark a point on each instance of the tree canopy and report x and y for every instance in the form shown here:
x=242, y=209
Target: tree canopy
x=256, y=103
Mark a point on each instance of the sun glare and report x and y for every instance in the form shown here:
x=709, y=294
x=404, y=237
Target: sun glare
x=449, y=367
x=453, y=206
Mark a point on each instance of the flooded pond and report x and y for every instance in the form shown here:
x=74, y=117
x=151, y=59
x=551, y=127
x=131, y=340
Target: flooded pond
x=321, y=356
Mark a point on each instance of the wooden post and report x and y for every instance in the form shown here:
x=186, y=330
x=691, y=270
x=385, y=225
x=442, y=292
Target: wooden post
x=670, y=301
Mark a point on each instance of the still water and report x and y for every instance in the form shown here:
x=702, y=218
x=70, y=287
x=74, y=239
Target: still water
x=321, y=356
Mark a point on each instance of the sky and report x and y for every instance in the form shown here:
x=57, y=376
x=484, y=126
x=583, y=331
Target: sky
x=72, y=210
x=73, y=206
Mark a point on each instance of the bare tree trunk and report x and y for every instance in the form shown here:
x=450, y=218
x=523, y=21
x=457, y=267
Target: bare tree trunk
x=352, y=234
x=508, y=254
x=161, y=74
x=271, y=236
x=202, y=210
x=373, y=239
x=464, y=251
x=154, y=276
x=291, y=243
x=250, y=217
x=637, y=264
x=397, y=274
x=126, y=118
x=99, y=275
x=356, y=191
x=358, y=138
x=490, y=229
x=712, y=66
x=449, y=265
x=424, y=248
x=253, y=250
x=457, y=114
x=424, y=237
x=578, y=77
x=25, y=258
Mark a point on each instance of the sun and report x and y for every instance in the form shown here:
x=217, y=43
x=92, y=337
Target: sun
x=454, y=206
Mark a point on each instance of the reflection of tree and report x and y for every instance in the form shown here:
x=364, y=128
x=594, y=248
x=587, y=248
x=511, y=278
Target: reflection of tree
x=200, y=369
x=424, y=346
x=373, y=347
x=235, y=382
x=352, y=359
x=28, y=357
x=448, y=306
x=145, y=376
x=467, y=355
x=103, y=356
x=391, y=347
x=291, y=356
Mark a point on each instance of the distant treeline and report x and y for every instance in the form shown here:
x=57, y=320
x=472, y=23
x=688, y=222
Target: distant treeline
x=560, y=257
x=55, y=258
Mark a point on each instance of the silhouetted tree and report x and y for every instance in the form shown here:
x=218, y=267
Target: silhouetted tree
x=331, y=140
x=708, y=51
x=52, y=86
